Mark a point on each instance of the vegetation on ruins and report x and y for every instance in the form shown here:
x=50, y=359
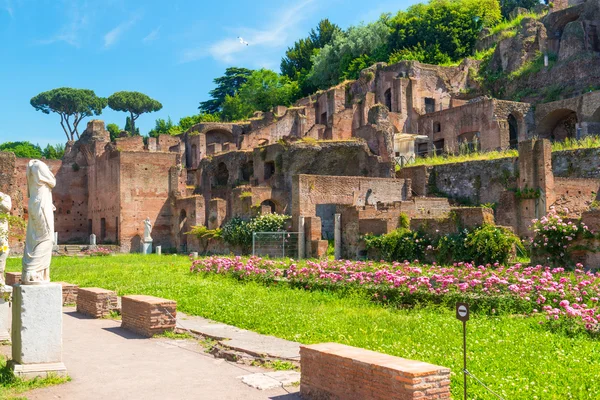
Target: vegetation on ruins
x=205, y=236
x=439, y=32
x=486, y=244
x=345, y=313
x=135, y=103
x=72, y=105
x=238, y=231
x=263, y=90
x=30, y=150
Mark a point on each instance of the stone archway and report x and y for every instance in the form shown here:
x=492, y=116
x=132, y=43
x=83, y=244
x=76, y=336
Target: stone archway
x=268, y=207
x=388, y=99
x=558, y=125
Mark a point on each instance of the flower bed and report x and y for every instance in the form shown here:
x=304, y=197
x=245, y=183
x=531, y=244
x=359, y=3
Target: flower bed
x=569, y=299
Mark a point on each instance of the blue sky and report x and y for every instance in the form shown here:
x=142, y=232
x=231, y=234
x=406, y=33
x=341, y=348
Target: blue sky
x=169, y=50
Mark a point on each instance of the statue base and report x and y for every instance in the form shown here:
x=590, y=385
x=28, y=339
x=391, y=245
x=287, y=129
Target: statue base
x=147, y=247
x=37, y=330
x=5, y=294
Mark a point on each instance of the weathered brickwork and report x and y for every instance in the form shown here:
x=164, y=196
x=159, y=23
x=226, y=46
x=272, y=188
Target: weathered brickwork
x=332, y=371
x=69, y=293
x=96, y=302
x=13, y=278
x=147, y=315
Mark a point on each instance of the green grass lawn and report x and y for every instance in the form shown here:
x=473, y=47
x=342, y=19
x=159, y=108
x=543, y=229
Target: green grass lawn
x=514, y=355
x=11, y=387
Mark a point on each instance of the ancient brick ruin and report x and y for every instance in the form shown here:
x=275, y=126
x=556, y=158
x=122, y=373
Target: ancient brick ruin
x=336, y=152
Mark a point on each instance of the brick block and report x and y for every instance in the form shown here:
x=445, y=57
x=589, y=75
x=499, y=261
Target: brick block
x=147, y=315
x=96, y=302
x=69, y=292
x=335, y=371
x=13, y=278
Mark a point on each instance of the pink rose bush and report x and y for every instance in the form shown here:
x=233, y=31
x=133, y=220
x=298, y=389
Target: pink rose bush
x=566, y=298
x=554, y=237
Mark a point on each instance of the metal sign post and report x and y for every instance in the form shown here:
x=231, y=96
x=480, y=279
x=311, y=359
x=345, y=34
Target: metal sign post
x=462, y=314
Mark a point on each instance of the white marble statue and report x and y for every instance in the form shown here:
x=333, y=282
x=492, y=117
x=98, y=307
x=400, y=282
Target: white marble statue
x=147, y=230
x=5, y=207
x=40, y=226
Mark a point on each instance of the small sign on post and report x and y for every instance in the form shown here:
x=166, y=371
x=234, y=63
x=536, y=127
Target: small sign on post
x=462, y=314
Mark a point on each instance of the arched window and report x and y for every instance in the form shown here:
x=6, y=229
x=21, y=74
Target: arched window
x=268, y=206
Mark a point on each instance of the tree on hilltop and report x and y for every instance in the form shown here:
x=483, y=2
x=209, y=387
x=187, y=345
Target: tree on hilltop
x=69, y=103
x=227, y=85
x=297, y=62
x=135, y=103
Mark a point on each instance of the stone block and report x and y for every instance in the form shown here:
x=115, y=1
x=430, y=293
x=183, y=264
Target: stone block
x=319, y=248
x=5, y=294
x=37, y=330
x=148, y=315
x=96, y=302
x=336, y=371
x=147, y=247
x=69, y=292
x=13, y=278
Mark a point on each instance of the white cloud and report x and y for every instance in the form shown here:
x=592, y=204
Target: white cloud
x=9, y=8
x=70, y=32
x=228, y=50
x=152, y=36
x=114, y=34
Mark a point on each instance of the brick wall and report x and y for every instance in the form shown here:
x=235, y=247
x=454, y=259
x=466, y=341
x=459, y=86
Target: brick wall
x=335, y=371
x=310, y=190
x=144, y=192
x=96, y=302
x=147, y=315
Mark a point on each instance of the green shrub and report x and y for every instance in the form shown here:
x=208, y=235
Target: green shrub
x=238, y=231
x=400, y=245
x=490, y=243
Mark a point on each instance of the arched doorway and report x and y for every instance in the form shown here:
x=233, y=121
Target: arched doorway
x=267, y=207
x=513, y=132
x=388, y=99
x=222, y=175
x=558, y=125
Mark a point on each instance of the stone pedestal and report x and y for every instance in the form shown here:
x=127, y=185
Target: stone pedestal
x=37, y=330
x=159, y=250
x=147, y=247
x=5, y=293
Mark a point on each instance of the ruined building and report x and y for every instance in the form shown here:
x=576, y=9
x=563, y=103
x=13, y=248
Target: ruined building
x=336, y=152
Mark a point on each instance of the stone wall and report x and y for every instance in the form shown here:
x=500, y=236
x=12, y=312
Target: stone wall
x=581, y=163
x=473, y=182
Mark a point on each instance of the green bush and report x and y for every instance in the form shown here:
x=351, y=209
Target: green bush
x=238, y=231
x=486, y=244
x=400, y=245
x=490, y=243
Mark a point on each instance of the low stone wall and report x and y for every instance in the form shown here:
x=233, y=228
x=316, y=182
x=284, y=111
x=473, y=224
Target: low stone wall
x=147, y=315
x=336, y=371
x=96, y=302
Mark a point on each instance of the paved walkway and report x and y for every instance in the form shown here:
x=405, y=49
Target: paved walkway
x=107, y=362
x=240, y=339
